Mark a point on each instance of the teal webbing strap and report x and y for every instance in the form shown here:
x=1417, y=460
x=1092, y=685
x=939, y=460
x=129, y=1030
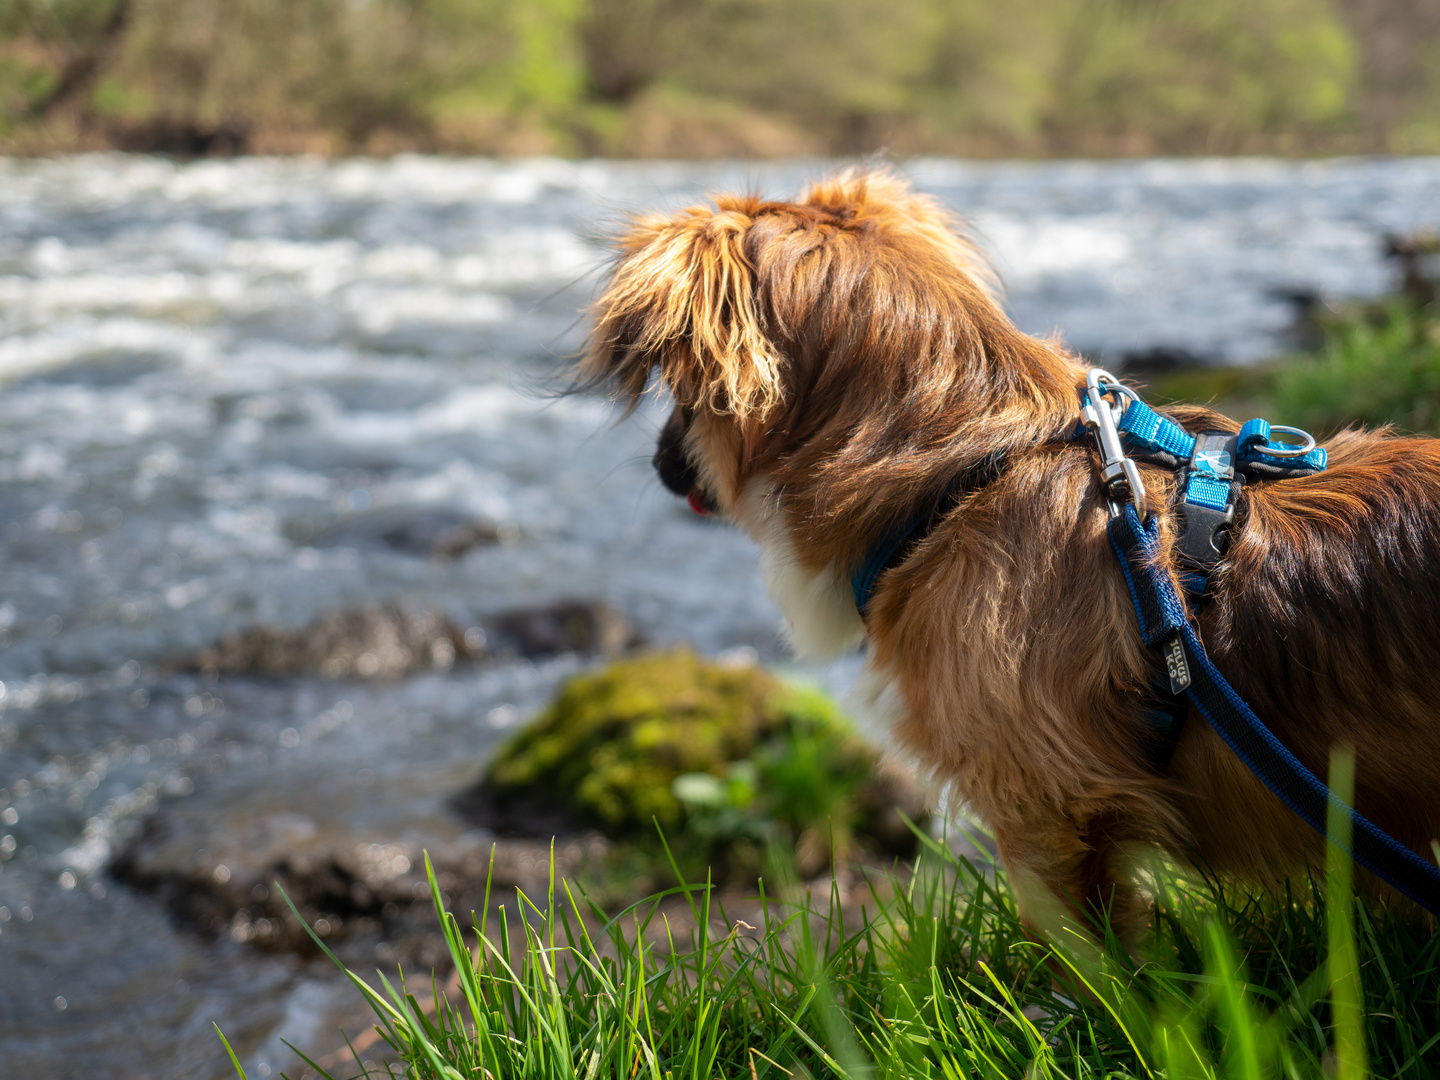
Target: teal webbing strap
x=1144, y=426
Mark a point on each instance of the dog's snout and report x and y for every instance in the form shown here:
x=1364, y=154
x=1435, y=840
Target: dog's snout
x=675, y=470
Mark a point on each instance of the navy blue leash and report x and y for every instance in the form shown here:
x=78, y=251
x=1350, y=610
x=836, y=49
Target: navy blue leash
x=1164, y=623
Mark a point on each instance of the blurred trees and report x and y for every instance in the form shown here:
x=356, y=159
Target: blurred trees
x=1399, y=45
x=706, y=77
x=1208, y=75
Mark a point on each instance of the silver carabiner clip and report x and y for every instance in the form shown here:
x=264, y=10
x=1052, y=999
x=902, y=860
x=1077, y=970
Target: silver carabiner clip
x=1118, y=474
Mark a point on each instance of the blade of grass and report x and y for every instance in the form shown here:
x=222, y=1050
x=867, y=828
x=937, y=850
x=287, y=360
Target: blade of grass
x=1345, y=990
x=233, y=1059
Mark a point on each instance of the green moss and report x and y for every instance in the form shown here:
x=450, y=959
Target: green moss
x=613, y=742
x=724, y=759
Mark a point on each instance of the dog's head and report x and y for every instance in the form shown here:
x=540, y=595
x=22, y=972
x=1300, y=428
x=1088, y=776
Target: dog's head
x=823, y=345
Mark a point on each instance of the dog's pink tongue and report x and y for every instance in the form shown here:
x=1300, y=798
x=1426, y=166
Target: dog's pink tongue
x=696, y=499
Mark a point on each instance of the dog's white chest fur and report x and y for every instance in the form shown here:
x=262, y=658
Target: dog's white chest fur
x=819, y=607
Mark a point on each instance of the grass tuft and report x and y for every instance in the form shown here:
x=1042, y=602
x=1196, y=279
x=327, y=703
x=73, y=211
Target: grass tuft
x=933, y=976
x=1377, y=365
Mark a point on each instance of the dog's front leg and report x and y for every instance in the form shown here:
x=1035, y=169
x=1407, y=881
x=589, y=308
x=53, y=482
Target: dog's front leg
x=1068, y=877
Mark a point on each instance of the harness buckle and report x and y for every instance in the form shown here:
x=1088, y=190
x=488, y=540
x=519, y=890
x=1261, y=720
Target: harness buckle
x=1209, y=486
x=1118, y=474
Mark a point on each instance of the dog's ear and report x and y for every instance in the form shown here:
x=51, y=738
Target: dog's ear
x=682, y=299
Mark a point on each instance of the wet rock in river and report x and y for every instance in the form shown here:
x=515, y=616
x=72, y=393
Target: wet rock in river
x=437, y=532
x=581, y=626
x=366, y=895
x=373, y=641
x=384, y=641
x=1417, y=256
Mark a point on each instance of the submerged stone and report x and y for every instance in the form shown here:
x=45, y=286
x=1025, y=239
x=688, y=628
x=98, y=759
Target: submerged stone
x=362, y=889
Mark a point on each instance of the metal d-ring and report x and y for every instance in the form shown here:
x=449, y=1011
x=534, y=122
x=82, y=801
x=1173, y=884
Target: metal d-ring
x=1288, y=451
x=1118, y=474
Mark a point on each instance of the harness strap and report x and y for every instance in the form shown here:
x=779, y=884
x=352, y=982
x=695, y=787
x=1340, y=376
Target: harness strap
x=1154, y=437
x=1252, y=444
x=1163, y=622
x=1209, y=492
x=1143, y=428
x=1212, y=468
x=900, y=542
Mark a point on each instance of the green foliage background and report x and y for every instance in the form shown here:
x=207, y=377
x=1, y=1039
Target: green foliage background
x=711, y=77
x=1375, y=363
x=1378, y=366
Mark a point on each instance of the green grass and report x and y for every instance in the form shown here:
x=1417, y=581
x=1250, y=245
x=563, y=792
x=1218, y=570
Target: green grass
x=933, y=978
x=1375, y=366
x=1376, y=363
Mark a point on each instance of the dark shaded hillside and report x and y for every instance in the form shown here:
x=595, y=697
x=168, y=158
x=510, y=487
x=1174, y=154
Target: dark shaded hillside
x=722, y=77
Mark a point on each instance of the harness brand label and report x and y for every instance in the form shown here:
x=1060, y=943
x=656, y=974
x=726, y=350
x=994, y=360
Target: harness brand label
x=1214, y=462
x=1175, y=665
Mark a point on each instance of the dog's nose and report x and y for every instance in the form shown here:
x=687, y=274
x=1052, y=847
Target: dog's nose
x=675, y=470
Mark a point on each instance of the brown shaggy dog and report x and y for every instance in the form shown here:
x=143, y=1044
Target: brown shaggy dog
x=838, y=360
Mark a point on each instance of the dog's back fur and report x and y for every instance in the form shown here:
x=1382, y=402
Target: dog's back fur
x=838, y=360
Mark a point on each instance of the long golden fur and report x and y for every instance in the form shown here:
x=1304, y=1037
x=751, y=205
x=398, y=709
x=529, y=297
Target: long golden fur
x=836, y=361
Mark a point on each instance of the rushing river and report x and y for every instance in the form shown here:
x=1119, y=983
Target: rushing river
x=224, y=381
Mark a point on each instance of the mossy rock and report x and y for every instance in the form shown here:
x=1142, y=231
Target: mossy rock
x=720, y=757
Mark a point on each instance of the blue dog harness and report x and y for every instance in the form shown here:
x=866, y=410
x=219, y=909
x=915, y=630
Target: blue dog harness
x=1211, y=467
